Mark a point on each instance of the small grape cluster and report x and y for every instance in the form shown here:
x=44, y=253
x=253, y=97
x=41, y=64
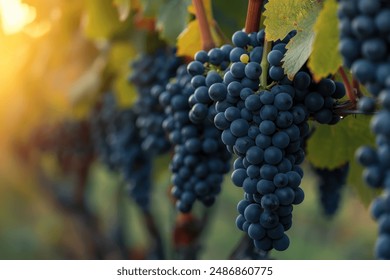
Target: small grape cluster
x=118, y=144
x=150, y=70
x=200, y=158
x=330, y=184
x=364, y=45
x=264, y=126
x=69, y=141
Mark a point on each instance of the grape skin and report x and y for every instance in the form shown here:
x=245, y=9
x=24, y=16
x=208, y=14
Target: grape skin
x=369, y=35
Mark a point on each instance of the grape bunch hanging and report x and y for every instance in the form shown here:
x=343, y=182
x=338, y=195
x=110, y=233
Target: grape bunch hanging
x=365, y=48
x=236, y=111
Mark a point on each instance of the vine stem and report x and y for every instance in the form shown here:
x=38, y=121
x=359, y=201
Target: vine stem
x=349, y=90
x=356, y=87
x=253, y=16
x=204, y=25
x=265, y=64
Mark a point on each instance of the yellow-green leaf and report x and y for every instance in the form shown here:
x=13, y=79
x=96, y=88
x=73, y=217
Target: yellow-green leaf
x=102, y=19
x=189, y=42
x=120, y=54
x=325, y=58
x=332, y=145
x=298, y=51
x=284, y=16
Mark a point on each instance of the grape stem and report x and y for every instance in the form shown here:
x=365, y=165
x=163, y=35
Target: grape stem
x=204, y=26
x=348, y=87
x=96, y=244
x=245, y=249
x=265, y=64
x=152, y=228
x=356, y=86
x=253, y=16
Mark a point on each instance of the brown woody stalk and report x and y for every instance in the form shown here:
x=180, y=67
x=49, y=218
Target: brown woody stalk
x=204, y=25
x=253, y=16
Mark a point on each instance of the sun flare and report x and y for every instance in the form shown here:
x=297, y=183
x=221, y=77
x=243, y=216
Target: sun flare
x=15, y=15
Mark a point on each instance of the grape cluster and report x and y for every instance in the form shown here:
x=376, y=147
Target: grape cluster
x=152, y=70
x=69, y=141
x=365, y=41
x=118, y=144
x=330, y=184
x=100, y=119
x=200, y=158
x=380, y=211
x=263, y=126
x=364, y=45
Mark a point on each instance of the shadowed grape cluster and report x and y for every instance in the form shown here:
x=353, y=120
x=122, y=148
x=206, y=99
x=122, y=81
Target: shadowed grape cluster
x=364, y=45
x=200, y=158
x=148, y=71
x=118, y=143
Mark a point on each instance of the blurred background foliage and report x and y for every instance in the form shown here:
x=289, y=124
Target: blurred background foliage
x=56, y=59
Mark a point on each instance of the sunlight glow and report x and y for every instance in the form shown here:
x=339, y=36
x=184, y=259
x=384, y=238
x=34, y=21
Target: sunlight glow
x=15, y=15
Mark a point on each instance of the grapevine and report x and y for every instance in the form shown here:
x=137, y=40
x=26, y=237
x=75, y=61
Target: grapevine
x=364, y=26
x=153, y=117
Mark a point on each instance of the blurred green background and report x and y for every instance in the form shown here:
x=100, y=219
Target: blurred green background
x=33, y=228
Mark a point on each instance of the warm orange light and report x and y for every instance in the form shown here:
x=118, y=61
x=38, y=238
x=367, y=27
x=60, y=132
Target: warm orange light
x=15, y=15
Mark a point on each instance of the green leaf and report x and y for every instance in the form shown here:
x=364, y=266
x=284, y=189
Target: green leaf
x=102, y=19
x=118, y=67
x=150, y=8
x=172, y=19
x=229, y=17
x=298, y=51
x=332, y=145
x=123, y=7
x=325, y=58
x=283, y=16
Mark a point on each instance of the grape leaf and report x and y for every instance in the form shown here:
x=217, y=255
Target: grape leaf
x=229, y=17
x=172, y=19
x=325, y=58
x=189, y=40
x=102, y=19
x=332, y=145
x=150, y=8
x=120, y=53
x=298, y=51
x=283, y=16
